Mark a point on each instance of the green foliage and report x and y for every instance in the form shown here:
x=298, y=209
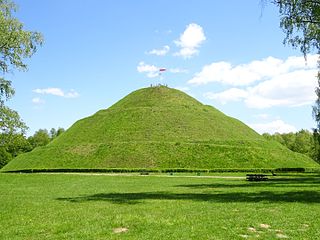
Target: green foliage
x=13, y=144
x=56, y=133
x=5, y=157
x=6, y=91
x=300, y=20
x=10, y=121
x=16, y=44
x=10, y=125
x=40, y=138
x=18, y=144
x=301, y=142
x=168, y=170
x=159, y=128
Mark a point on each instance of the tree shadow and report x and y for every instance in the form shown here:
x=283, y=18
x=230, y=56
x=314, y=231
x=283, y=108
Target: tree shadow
x=247, y=197
x=287, y=182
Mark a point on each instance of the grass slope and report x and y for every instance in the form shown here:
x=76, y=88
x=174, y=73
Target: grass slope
x=64, y=206
x=160, y=127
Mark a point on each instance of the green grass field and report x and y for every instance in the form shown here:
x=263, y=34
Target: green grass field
x=83, y=206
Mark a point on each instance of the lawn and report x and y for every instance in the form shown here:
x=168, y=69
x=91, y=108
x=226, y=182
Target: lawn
x=83, y=206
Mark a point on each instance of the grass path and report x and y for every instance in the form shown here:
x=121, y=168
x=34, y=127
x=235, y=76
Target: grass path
x=153, y=175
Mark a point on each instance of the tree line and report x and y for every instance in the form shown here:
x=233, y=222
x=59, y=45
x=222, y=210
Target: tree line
x=19, y=143
x=304, y=142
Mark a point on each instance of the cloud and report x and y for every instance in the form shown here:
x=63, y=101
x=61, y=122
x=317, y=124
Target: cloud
x=262, y=116
x=291, y=90
x=71, y=94
x=37, y=101
x=190, y=40
x=151, y=70
x=247, y=74
x=57, y=92
x=278, y=126
x=264, y=84
x=232, y=94
x=160, y=52
x=178, y=70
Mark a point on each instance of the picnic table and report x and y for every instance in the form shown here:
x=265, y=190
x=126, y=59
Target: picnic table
x=257, y=177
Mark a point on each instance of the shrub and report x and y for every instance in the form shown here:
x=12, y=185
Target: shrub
x=5, y=157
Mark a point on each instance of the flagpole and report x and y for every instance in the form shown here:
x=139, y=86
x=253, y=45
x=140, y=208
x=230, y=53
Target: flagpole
x=161, y=70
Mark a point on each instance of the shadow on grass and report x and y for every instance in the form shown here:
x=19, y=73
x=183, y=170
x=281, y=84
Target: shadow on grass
x=248, y=197
x=272, y=182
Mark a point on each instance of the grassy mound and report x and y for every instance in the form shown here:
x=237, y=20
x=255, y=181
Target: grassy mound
x=159, y=127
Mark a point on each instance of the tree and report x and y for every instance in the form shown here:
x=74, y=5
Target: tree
x=300, y=21
x=40, y=138
x=60, y=131
x=18, y=144
x=304, y=142
x=301, y=142
x=10, y=124
x=5, y=157
x=16, y=44
x=55, y=133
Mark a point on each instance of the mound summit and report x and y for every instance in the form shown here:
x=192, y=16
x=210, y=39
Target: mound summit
x=159, y=127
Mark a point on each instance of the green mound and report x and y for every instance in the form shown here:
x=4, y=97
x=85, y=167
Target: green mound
x=159, y=127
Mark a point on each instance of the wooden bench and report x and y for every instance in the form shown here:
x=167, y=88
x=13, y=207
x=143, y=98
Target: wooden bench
x=257, y=177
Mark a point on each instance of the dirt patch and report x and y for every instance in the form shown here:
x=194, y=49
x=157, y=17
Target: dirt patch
x=265, y=226
x=281, y=235
x=244, y=235
x=83, y=150
x=120, y=230
x=252, y=229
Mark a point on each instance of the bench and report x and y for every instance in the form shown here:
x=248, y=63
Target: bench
x=257, y=177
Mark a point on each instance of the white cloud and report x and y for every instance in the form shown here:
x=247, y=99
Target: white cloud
x=280, y=83
x=232, y=94
x=262, y=116
x=37, y=101
x=291, y=90
x=151, y=70
x=246, y=74
x=57, y=92
x=71, y=94
x=190, y=40
x=273, y=127
x=160, y=52
x=178, y=70
x=52, y=91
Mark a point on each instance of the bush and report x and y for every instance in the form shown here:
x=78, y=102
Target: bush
x=146, y=171
x=5, y=157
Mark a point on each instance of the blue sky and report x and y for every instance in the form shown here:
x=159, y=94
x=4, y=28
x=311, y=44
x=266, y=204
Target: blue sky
x=228, y=54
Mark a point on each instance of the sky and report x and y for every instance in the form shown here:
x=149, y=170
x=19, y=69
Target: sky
x=227, y=54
